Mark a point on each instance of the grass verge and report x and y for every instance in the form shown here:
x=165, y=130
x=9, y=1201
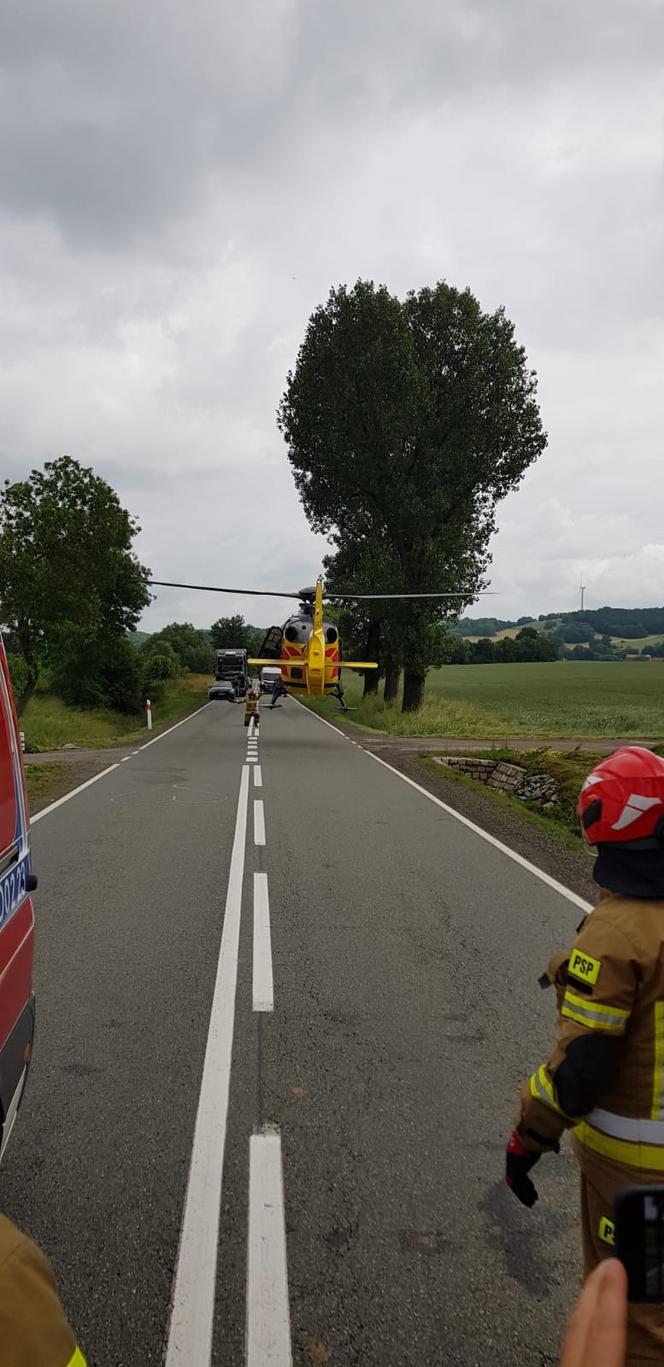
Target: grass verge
x=49, y=724
x=47, y=780
x=569, y=771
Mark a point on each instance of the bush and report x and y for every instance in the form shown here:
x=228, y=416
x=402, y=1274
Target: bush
x=191, y=648
x=159, y=660
x=18, y=673
x=95, y=672
x=159, y=665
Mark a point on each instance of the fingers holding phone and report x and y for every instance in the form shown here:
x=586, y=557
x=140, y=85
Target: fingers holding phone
x=597, y=1334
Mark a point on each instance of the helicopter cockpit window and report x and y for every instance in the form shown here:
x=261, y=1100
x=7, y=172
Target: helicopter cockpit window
x=291, y=633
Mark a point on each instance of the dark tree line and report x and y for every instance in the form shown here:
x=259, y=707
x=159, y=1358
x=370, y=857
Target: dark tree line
x=527, y=647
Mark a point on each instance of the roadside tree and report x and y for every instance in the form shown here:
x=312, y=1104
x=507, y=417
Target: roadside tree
x=66, y=561
x=405, y=423
x=229, y=632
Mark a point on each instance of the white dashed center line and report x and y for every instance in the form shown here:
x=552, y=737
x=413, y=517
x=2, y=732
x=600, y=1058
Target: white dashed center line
x=259, y=822
x=263, y=986
x=268, y=1319
x=258, y=777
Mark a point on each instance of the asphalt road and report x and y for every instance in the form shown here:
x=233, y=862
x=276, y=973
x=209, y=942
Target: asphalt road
x=401, y=956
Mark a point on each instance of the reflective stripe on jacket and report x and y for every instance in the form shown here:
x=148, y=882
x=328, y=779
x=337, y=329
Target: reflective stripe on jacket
x=610, y=985
x=33, y=1328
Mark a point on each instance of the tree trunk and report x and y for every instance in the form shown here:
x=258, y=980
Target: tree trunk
x=413, y=692
x=373, y=647
x=392, y=676
x=370, y=683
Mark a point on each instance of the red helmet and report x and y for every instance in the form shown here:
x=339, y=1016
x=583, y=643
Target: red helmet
x=622, y=800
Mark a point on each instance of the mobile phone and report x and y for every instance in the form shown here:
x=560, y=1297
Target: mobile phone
x=639, y=1240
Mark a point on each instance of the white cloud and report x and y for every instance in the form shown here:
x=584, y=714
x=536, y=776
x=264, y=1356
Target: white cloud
x=179, y=190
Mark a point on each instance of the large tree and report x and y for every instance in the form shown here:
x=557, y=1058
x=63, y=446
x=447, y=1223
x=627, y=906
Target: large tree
x=66, y=561
x=228, y=633
x=406, y=422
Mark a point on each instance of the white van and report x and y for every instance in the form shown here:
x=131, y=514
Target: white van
x=270, y=675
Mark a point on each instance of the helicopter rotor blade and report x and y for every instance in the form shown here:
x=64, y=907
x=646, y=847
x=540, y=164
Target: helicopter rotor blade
x=350, y=596
x=213, y=588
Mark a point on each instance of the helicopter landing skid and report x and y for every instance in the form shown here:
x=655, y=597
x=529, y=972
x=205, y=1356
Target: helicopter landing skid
x=339, y=693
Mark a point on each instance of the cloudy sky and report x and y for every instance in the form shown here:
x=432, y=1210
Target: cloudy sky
x=182, y=181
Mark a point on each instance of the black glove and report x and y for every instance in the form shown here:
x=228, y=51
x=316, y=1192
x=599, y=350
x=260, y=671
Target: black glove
x=518, y=1162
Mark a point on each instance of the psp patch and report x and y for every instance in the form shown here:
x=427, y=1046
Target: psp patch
x=607, y=1231
x=584, y=968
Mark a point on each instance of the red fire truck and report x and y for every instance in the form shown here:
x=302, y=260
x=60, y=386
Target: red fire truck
x=17, y=1003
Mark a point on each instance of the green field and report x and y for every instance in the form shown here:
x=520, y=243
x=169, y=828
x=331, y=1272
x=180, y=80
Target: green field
x=563, y=699
x=48, y=724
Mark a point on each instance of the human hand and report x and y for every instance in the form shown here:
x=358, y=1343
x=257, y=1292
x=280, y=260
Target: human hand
x=518, y=1163
x=597, y=1332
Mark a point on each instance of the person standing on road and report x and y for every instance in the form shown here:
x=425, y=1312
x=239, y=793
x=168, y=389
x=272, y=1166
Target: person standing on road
x=251, y=708
x=278, y=691
x=605, y=1077
x=33, y=1328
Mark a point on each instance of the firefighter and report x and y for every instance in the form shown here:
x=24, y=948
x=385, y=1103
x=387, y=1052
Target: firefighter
x=605, y=1077
x=33, y=1328
x=251, y=708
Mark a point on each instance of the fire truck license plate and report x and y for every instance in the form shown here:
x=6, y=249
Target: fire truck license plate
x=13, y=889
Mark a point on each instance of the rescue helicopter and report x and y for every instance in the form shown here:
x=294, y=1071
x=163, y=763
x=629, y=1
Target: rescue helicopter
x=307, y=647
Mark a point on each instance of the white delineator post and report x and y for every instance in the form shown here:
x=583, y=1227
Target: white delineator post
x=148, y=709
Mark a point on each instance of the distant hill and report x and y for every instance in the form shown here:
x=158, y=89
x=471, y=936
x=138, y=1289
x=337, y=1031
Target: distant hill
x=138, y=637
x=620, y=624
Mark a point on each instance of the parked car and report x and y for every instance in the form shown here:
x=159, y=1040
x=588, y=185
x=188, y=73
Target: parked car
x=222, y=690
x=17, y=1002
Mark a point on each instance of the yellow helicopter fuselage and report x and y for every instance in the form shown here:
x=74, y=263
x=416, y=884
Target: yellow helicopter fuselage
x=311, y=652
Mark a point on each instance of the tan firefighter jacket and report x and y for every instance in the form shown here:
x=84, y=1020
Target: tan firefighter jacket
x=610, y=984
x=33, y=1329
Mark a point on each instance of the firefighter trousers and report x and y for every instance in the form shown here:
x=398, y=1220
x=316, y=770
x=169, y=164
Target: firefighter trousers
x=601, y=1180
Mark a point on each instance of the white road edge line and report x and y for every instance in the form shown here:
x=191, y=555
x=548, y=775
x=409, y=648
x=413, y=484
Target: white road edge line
x=192, y=1314
x=258, y=777
x=95, y=779
x=61, y=800
x=268, y=1317
x=259, y=822
x=262, y=980
x=484, y=835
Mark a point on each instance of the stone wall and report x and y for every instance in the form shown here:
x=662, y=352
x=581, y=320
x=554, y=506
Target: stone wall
x=506, y=778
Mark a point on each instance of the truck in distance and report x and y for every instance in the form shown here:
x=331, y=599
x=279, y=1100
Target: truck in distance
x=231, y=665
